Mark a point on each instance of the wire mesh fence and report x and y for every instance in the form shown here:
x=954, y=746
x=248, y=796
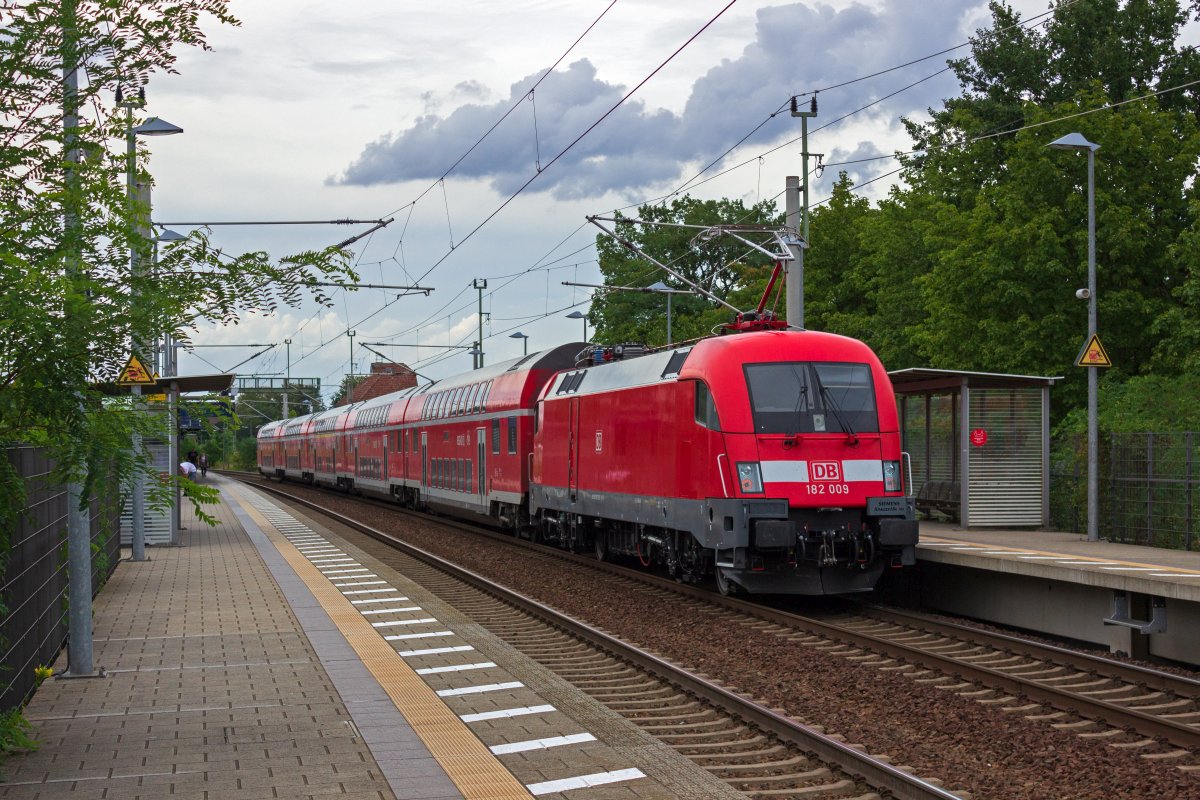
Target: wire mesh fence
x=34, y=593
x=1149, y=485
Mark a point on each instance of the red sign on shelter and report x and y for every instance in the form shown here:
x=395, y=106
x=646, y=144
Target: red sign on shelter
x=979, y=437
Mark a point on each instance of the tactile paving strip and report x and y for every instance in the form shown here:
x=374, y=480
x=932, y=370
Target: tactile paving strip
x=472, y=767
x=549, y=735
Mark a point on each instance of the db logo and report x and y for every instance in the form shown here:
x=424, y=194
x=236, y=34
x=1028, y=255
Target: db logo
x=825, y=470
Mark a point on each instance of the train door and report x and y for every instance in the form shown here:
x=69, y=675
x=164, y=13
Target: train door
x=480, y=461
x=424, y=459
x=573, y=449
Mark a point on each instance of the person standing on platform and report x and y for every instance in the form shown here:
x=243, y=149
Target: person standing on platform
x=203, y=464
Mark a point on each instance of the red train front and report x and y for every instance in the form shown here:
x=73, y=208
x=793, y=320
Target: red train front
x=770, y=460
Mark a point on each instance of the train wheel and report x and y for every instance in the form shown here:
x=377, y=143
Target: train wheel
x=726, y=586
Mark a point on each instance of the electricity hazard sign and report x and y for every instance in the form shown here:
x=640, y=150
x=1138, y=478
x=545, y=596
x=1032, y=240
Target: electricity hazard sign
x=135, y=374
x=1092, y=354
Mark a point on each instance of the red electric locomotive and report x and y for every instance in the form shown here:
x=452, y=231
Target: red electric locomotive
x=770, y=459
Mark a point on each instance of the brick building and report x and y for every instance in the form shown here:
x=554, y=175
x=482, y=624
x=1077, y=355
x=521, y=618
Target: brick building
x=385, y=377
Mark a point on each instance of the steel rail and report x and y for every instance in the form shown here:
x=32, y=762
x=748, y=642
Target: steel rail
x=879, y=774
x=1176, y=733
x=1132, y=673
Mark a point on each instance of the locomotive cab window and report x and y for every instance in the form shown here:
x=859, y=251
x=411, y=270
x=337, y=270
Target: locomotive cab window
x=706, y=408
x=512, y=435
x=802, y=397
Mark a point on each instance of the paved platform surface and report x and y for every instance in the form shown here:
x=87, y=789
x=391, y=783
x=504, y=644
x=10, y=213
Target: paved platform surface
x=268, y=658
x=1066, y=557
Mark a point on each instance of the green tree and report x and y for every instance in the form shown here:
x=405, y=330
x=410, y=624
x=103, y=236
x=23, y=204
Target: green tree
x=72, y=305
x=991, y=235
x=722, y=265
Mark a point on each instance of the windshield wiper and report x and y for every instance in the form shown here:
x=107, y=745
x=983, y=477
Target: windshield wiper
x=831, y=404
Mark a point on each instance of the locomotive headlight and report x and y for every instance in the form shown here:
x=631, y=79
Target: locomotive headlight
x=749, y=477
x=891, y=476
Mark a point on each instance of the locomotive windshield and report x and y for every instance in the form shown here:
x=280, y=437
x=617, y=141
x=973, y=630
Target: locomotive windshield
x=805, y=397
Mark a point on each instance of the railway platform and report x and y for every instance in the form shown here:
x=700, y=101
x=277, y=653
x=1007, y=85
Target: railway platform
x=267, y=657
x=1143, y=601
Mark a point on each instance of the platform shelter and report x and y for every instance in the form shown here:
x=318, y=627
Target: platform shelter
x=979, y=444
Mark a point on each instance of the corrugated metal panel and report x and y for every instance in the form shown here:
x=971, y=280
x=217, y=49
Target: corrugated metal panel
x=1006, y=473
x=158, y=521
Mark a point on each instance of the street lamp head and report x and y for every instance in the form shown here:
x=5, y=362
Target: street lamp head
x=518, y=335
x=576, y=315
x=1073, y=141
x=169, y=235
x=660, y=286
x=156, y=127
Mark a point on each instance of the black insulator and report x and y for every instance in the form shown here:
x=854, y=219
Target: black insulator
x=813, y=105
x=794, y=107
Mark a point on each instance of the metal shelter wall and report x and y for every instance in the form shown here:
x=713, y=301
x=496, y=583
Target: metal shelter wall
x=158, y=520
x=979, y=443
x=1006, y=476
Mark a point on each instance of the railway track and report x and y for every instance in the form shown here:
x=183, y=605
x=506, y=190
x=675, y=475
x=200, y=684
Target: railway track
x=1127, y=707
x=756, y=750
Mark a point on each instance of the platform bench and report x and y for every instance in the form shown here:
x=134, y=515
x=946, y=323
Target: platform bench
x=940, y=496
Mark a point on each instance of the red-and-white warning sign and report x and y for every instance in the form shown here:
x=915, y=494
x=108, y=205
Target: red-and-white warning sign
x=979, y=437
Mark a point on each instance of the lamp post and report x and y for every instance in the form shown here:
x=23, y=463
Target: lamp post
x=662, y=288
x=524, y=341
x=582, y=316
x=287, y=376
x=1077, y=142
x=151, y=127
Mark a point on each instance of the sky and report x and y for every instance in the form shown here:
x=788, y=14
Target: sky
x=363, y=109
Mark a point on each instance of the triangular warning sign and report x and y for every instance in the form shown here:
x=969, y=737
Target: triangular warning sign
x=135, y=374
x=1092, y=354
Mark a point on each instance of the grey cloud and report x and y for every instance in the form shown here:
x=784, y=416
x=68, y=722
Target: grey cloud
x=797, y=47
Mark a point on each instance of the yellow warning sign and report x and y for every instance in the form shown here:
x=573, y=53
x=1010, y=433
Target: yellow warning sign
x=1092, y=354
x=135, y=374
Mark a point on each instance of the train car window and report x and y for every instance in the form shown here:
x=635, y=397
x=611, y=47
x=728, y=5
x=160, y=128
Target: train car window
x=706, y=409
x=459, y=399
x=512, y=435
x=455, y=463
x=467, y=475
x=799, y=397
x=495, y=437
x=487, y=392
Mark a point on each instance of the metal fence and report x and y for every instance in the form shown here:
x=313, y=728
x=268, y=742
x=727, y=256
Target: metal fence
x=1149, y=487
x=34, y=627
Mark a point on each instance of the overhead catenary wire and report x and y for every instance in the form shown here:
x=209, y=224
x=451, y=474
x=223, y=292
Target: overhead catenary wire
x=566, y=149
